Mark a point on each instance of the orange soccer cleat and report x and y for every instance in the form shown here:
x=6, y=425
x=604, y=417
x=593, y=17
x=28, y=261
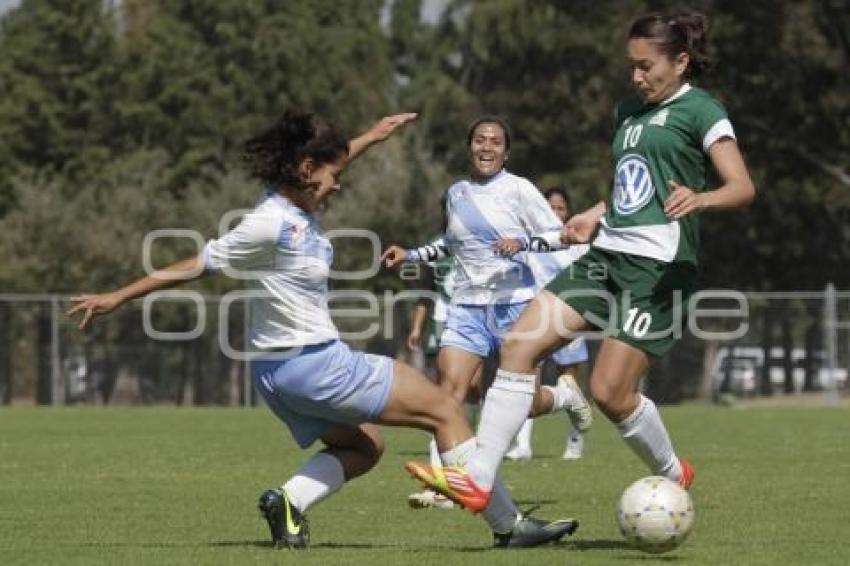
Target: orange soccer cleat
x=453, y=482
x=688, y=474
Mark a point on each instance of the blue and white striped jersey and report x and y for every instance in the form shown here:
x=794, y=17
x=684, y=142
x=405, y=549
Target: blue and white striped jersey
x=281, y=250
x=505, y=206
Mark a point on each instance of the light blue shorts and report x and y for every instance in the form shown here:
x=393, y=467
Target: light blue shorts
x=323, y=385
x=573, y=353
x=479, y=329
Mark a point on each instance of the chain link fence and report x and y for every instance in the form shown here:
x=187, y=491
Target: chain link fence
x=181, y=349
x=795, y=343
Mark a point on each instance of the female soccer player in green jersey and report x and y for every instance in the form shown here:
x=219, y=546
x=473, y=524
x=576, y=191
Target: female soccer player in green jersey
x=672, y=141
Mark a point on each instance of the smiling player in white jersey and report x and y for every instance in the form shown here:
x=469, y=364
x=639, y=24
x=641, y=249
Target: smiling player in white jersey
x=492, y=284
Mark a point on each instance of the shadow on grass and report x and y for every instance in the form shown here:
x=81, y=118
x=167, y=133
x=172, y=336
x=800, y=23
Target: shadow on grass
x=566, y=545
x=134, y=544
x=610, y=544
x=653, y=557
x=536, y=502
x=598, y=544
x=419, y=453
x=576, y=545
x=329, y=545
x=232, y=543
x=426, y=548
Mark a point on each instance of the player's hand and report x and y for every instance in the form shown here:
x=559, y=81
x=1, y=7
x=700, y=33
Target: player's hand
x=580, y=229
x=93, y=305
x=508, y=246
x=393, y=256
x=682, y=201
x=413, y=340
x=388, y=124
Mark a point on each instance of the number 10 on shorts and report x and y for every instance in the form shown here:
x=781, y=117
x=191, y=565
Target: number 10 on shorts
x=637, y=324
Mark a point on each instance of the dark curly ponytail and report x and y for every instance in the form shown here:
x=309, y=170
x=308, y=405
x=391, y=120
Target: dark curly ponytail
x=675, y=34
x=275, y=154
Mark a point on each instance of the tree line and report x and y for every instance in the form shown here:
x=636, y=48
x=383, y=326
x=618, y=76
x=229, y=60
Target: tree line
x=121, y=117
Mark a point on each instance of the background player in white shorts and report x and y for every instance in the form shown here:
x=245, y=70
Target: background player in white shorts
x=492, y=285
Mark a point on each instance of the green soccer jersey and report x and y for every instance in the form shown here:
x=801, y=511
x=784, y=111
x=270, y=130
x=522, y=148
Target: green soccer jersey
x=654, y=144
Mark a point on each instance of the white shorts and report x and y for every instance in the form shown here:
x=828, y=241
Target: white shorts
x=323, y=385
x=573, y=353
x=480, y=329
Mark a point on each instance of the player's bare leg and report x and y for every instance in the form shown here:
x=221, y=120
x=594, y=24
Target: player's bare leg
x=614, y=387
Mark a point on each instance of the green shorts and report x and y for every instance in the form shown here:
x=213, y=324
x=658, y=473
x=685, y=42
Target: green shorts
x=637, y=300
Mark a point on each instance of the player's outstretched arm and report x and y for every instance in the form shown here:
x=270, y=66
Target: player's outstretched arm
x=581, y=228
x=104, y=303
x=378, y=133
x=543, y=242
x=432, y=251
x=393, y=256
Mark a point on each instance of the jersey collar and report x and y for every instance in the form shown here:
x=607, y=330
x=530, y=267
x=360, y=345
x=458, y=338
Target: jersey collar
x=502, y=172
x=682, y=90
x=287, y=204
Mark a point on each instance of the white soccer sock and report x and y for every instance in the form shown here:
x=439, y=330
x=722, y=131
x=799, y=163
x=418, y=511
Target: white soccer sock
x=319, y=477
x=523, y=437
x=505, y=409
x=644, y=431
x=562, y=396
x=460, y=454
x=501, y=512
x=434, y=453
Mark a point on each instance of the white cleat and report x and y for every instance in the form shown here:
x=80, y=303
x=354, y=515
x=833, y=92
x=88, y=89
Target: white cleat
x=575, y=446
x=428, y=499
x=519, y=454
x=572, y=453
x=579, y=411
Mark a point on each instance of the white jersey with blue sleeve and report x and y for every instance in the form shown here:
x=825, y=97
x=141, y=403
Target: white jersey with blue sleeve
x=281, y=250
x=480, y=214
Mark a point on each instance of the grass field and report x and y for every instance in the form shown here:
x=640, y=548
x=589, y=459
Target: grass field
x=178, y=486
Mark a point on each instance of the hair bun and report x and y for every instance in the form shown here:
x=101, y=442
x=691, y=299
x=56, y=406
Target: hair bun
x=676, y=33
x=694, y=26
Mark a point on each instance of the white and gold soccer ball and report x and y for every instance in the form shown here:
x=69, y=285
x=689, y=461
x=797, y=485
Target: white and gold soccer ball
x=655, y=514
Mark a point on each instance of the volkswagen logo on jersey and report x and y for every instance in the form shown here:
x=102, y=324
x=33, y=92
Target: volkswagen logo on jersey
x=632, y=185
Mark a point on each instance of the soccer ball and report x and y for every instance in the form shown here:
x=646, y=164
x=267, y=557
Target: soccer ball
x=655, y=514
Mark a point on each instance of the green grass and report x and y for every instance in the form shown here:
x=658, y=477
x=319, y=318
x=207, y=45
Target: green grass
x=178, y=486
